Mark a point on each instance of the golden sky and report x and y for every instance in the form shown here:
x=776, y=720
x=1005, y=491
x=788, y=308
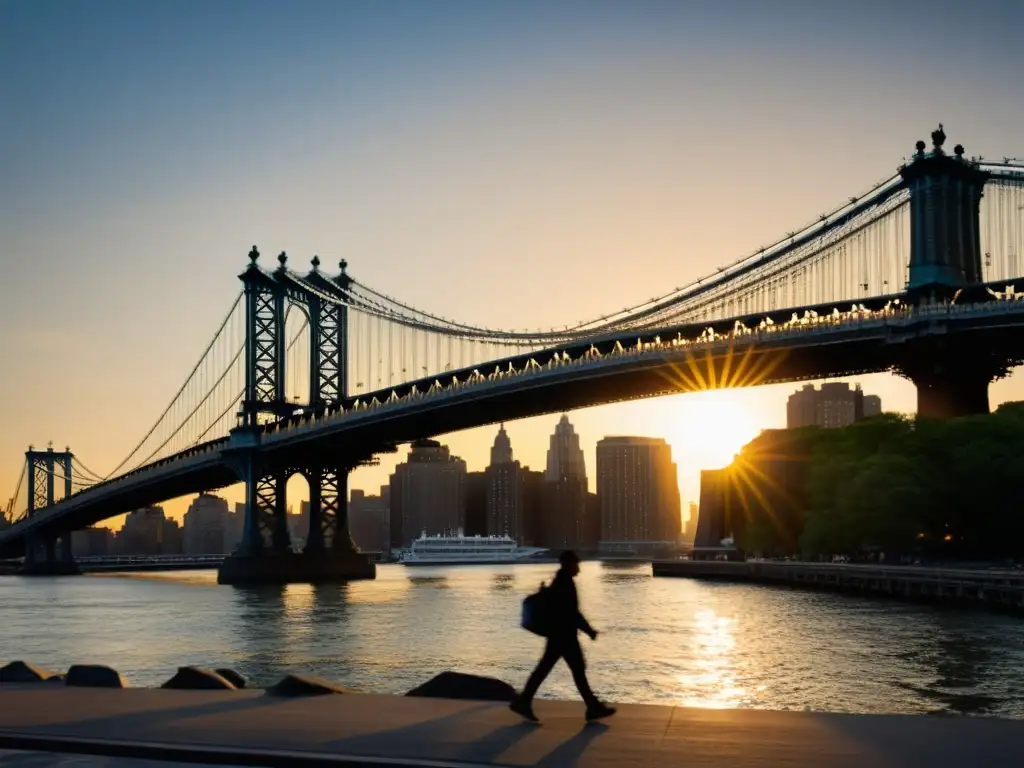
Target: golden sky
x=508, y=165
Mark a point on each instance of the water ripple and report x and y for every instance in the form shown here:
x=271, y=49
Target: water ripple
x=668, y=641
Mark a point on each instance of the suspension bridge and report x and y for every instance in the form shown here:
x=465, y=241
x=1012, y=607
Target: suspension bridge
x=317, y=373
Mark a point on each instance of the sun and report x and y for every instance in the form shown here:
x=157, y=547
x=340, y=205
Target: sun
x=706, y=429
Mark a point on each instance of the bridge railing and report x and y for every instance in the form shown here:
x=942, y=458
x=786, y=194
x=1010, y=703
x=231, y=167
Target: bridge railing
x=797, y=326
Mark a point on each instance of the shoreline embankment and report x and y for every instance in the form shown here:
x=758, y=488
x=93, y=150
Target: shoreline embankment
x=994, y=590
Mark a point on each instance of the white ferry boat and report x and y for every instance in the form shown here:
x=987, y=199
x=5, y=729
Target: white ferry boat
x=460, y=549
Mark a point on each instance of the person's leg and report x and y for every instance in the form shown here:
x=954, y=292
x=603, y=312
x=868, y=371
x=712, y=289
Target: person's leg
x=573, y=655
x=547, y=662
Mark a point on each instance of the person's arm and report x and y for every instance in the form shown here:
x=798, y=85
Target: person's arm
x=581, y=621
x=583, y=625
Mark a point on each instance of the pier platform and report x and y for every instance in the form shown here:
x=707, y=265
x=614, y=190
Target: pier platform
x=253, y=728
x=991, y=589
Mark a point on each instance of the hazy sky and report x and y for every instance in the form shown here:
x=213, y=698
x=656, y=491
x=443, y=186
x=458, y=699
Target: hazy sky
x=510, y=164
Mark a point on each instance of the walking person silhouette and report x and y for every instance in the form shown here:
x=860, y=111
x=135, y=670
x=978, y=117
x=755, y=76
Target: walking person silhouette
x=562, y=621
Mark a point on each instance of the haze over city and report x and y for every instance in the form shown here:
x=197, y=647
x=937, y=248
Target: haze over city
x=513, y=166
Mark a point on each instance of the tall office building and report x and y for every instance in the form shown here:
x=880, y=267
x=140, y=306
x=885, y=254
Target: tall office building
x=638, y=486
x=872, y=406
x=207, y=524
x=428, y=491
x=147, y=531
x=92, y=542
x=368, y=520
x=533, y=501
x=476, y=504
x=567, y=521
x=504, y=490
x=834, y=405
x=565, y=457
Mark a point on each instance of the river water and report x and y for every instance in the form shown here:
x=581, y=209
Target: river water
x=665, y=641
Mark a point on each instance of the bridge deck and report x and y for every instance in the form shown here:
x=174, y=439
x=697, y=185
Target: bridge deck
x=251, y=728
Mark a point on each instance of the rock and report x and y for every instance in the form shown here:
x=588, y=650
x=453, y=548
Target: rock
x=232, y=677
x=94, y=676
x=22, y=672
x=303, y=685
x=198, y=679
x=456, y=685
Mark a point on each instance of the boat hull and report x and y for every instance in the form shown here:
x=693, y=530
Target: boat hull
x=482, y=561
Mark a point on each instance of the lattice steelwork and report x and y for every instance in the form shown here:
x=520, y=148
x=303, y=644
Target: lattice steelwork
x=266, y=507
x=264, y=368
x=326, y=357
x=333, y=518
x=40, y=485
x=43, y=469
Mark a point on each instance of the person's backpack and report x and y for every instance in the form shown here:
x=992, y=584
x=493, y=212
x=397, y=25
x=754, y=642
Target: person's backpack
x=535, y=612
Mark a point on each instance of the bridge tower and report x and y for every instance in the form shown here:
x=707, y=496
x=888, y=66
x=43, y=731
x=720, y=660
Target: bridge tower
x=945, y=201
x=266, y=552
x=267, y=298
x=952, y=378
x=43, y=469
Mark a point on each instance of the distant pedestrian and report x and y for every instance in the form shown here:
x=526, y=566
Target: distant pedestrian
x=561, y=622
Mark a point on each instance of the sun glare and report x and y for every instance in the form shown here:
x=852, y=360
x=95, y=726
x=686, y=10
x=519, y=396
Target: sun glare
x=708, y=428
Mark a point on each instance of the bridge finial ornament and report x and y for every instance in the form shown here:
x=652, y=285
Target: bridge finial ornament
x=315, y=261
x=343, y=265
x=958, y=150
x=938, y=139
x=282, y=259
x=254, y=254
x=920, y=147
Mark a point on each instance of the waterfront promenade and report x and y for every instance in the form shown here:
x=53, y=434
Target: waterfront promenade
x=252, y=728
x=992, y=589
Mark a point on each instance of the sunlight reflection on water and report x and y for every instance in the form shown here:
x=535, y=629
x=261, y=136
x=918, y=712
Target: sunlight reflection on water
x=668, y=641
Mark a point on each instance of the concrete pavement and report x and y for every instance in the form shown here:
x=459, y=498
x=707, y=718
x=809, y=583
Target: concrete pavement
x=251, y=728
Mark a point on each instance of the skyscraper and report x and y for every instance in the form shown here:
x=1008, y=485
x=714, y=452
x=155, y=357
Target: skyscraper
x=638, y=488
x=504, y=490
x=565, y=517
x=148, y=531
x=207, y=525
x=565, y=457
x=428, y=491
x=368, y=520
x=476, y=504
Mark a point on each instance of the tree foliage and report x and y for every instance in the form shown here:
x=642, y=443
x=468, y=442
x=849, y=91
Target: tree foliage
x=938, y=489
x=942, y=489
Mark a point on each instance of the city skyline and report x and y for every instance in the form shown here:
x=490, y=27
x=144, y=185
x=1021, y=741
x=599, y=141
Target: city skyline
x=127, y=220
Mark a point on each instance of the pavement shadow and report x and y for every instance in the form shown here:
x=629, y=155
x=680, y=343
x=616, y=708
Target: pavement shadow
x=497, y=742
x=568, y=752
x=409, y=737
x=128, y=723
